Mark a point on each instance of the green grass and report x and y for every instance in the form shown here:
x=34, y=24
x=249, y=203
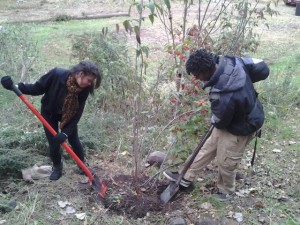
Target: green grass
x=288, y=64
x=47, y=31
x=55, y=38
x=6, y=99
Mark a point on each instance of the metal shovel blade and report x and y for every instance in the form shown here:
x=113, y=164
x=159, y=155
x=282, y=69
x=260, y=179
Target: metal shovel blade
x=169, y=192
x=99, y=186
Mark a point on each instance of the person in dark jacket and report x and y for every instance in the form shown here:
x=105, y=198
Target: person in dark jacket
x=236, y=114
x=64, y=95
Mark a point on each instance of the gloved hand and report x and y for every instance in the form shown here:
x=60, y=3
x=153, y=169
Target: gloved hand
x=7, y=82
x=59, y=138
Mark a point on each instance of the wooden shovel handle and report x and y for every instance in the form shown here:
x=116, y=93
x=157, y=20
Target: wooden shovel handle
x=194, y=154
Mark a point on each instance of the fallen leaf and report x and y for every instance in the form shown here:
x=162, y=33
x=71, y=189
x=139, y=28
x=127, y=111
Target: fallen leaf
x=206, y=206
x=200, y=179
x=239, y=194
x=276, y=150
x=292, y=142
x=259, y=205
x=84, y=180
x=80, y=216
x=204, y=189
x=143, y=189
x=262, y=219
x=230, y=214
x=243, y=192
x=70, y=210
x=2, y=221
x=63, y=204
x=124, y=153
x=238, y=217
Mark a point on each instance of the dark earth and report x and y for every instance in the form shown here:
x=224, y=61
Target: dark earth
x=135, y=197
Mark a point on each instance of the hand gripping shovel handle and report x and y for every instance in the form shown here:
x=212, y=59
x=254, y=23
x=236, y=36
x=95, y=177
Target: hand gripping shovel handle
x=94, y=180
x=173, y=187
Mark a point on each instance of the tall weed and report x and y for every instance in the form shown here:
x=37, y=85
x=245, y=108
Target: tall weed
x=18, y=50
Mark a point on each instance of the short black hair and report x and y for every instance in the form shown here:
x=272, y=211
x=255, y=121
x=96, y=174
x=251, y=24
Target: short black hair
x=201, y=61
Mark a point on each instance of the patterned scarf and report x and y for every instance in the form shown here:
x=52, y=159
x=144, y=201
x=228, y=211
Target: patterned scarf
x=71, y=103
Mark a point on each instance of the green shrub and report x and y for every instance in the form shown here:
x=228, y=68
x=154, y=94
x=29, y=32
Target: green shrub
x=110, y=52
x=12, y=137
x=13, y=160
x=18, y=50
x=19, y=149
x=62, y=17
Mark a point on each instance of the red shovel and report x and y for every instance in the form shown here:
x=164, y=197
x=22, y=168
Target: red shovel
x=95, y=182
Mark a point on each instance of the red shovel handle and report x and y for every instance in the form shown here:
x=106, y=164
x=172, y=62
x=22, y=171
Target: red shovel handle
x=48, y=126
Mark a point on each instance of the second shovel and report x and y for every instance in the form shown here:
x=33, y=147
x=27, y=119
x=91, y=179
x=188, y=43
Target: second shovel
x=173, y=187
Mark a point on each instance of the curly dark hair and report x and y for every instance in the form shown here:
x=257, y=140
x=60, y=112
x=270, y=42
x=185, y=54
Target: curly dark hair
x=201, y=61
x=88, y=67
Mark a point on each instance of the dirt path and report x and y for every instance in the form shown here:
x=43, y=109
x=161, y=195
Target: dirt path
x=39, y=10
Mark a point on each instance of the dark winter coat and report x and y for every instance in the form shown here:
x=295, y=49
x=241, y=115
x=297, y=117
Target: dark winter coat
x=234, y=102
x=53, y=86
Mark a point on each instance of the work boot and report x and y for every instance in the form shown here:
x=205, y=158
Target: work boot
x=222, y=197
x=188, y=189
x=173, y=176
x=239, y=176
x=57, y=171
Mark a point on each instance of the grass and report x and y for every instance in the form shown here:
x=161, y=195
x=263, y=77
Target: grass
x=282, y=53
x=282, y=50
x=57, y=36
x=5, y=99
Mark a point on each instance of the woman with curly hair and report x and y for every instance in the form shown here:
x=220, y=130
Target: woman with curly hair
x=64, y=95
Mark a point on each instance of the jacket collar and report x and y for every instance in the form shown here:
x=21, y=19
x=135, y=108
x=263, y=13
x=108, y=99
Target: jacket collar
x=215, y=77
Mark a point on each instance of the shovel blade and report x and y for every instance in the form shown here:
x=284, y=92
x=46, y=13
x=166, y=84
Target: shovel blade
x=99, y=186
x=169, y=192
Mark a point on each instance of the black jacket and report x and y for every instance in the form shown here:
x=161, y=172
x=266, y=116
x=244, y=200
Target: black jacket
x=53, y=86
x=234, y=102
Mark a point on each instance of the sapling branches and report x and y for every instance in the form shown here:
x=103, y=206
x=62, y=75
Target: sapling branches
x=221, y=27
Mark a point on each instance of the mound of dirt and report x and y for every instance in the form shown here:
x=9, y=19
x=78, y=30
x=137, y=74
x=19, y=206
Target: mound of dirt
x=133, y=196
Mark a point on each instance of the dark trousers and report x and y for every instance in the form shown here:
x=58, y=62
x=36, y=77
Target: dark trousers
x=73, y=139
